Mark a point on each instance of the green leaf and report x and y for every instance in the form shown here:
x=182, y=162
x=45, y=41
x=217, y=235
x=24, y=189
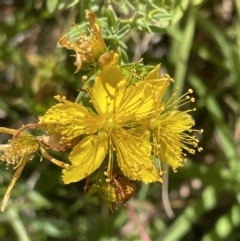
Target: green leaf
x=124, y=56
x=141, y=24
x=225, y=225
x=156, y=29
x=162, y=17
x=17, y=224
x=123, y=31
x=73, y=3
x=183, y=223
x=51, y=5
x=132, y=5
x=222, y=129
x=110, y=18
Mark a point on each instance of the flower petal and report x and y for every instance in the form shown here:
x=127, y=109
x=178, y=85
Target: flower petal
x=179, y=126
x=86, y=157
x=108, y=83
x=154, y=74
x=70, y=119
x=142, y=100
x=133, y=156
x=98, y=45
x=172, y=138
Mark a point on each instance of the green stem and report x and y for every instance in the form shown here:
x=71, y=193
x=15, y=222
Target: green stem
x=17, y=224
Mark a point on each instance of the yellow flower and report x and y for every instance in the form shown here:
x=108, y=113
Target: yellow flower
x=18, y=152
x=88, y=49
x=98, y=45
x=24, y=145
x=171, y=133
x=110, y=130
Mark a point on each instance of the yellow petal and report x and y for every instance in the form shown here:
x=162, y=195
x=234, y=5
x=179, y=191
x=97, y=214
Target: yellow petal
x=15, y=177
x=107, y=85
x=172, y=138
x=70, y=119
x=142, y=100
x=98, y=45
x=176, y=121
x=156, y=88
x=86, y=157
x=154, y=74
x=185, y=124
x=133, y=156
x=170, y=152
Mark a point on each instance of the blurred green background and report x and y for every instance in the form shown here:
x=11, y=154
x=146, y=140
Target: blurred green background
x=197, y=43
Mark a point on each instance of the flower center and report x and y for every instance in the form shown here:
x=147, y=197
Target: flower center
x=110, y=125
x=153, y=123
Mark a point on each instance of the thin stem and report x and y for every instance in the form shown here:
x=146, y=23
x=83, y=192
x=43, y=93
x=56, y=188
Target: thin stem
x=17, y=224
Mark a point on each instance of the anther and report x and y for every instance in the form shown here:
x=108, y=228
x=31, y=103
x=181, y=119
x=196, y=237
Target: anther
x=84, y=78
